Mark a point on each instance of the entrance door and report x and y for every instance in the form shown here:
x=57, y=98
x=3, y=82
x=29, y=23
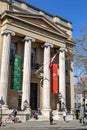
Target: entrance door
x=33, y=96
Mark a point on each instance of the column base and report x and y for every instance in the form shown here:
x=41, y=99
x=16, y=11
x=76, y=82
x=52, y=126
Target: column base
x=28, y=110
x=5, y=107
x=46, y=112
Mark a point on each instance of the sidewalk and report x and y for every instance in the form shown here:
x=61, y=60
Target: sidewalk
x=42, y=125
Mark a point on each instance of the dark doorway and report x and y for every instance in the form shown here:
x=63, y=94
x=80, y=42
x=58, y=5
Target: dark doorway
x=33, y=96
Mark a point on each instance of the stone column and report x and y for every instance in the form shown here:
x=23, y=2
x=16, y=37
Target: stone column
x=71, y=85
x=62, y=87
x=5, y=65
x=46, y=79
x=27, y=71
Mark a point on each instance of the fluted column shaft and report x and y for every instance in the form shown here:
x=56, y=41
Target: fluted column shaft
x=27, y=71
x=5, y=64
x=46, y=79
x=62, y=88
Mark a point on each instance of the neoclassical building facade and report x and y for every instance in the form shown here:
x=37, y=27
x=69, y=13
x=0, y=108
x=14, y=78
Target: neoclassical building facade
x=29, y=37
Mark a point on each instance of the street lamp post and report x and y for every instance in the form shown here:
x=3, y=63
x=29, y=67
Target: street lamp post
x=19, y=99
x=84, y=99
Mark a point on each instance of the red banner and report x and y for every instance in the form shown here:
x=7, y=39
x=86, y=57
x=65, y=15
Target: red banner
x=54, y=79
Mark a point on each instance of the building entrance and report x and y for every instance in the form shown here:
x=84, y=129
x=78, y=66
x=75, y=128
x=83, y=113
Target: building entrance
x=33, y=96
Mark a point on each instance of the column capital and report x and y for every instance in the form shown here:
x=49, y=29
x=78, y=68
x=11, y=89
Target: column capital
x=62, y=49
x=27, y=38
x=46, y=44
x=6, y=32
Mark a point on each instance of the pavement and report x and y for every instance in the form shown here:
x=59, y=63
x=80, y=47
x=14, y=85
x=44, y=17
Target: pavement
x=42, y=125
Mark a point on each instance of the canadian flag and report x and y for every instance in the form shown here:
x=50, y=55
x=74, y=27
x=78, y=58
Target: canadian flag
x=80, y=78
x=52, y=59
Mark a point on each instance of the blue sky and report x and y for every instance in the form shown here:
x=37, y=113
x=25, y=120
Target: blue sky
x=72, y=10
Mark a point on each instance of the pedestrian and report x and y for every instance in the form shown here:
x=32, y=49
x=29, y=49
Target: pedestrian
x=64, y=115
x=82, y=112
x=51, y=117
x=79, y=117
x=39, y=111
x=14, y=113
x=1, y=122
x=35, y=115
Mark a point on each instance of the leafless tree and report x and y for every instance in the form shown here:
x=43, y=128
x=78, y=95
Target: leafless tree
x=80, y=59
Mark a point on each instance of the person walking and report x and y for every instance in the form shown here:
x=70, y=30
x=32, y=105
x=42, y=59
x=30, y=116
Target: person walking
x=64, y=115
x=82, y=112
x=51, y=117
x=79, y=117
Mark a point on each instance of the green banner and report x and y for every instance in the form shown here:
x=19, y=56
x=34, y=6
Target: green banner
x=16, y=72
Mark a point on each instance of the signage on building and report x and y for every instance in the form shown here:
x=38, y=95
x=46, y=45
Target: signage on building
x=16, y=72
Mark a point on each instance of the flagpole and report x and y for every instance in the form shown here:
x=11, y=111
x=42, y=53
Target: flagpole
x=58, y=51
x=39, y=69
x=42, y=66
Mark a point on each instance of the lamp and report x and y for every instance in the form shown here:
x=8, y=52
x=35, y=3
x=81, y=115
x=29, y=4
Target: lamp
x=19, y=99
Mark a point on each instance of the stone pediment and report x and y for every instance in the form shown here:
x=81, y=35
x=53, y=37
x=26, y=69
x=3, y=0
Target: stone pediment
x=41, y=22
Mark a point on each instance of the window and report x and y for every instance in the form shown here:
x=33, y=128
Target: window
x=33, y=56
x=12, y=51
